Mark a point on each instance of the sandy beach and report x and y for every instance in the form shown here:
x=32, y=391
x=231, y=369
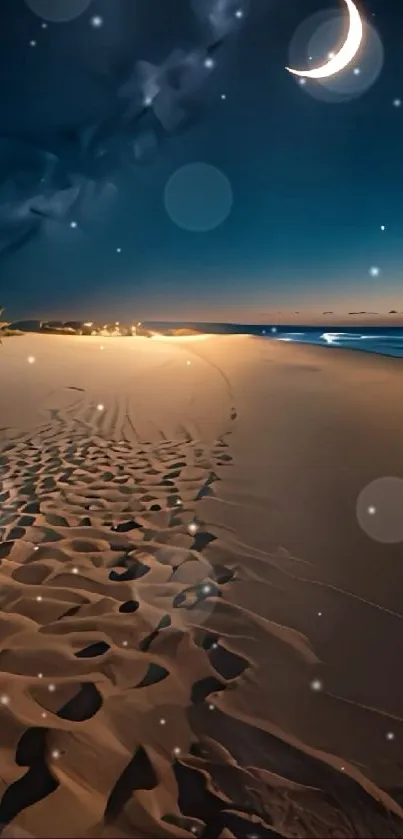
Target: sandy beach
x=198, y=636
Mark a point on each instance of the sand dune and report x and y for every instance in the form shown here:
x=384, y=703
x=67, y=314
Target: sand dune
x=181, y=564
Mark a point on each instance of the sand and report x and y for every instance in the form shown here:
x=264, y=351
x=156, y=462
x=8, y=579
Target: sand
x=181, y=567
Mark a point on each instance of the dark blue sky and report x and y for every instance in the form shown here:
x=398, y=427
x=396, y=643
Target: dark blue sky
x=313, y=173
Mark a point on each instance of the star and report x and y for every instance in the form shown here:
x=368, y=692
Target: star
x=118, y=250
x=97, y=21
x=192, y=528
x=356, y=71
x=44, y=25
x=73, y=225
x=223, y=96
x=371, y=511
x=316, y=685
x=383, y=227
x=397, y=103
x=209, y=63
x=32, y=43
x=390, y=735
x=374, y=271
x=239, y=14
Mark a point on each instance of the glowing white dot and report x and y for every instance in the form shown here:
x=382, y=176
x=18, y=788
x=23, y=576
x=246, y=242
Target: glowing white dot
x=383, y=227
x=274, y=329
x=55, y=754
x=192, y=528
x=4, y=699
x=319, y=614
x=223, y=96
x=209, y=63
x=330, y=55
x=206, y=589
x=31, y=359
x=214, y=646
x=36, y=548
x=97, y=21
x=43, y=715
x=342, y=768
x=102, y=348
x=125, y=643
x=356, y=71
x=52, y=687
x=44, y=25
x=188, y=363
x=397, y=103
x=32, y=43
x=179, y=502
x=148, y=101
x=118, y=250
x=162, y=721
x=177, y=750
x=73, y=225
x=390, y=735
x=239, y=14
x=374, y=271
x=371, y=511
x=74, y=570
x=40, y=675
x=39, y=598
x=316, y=684
x=302, y=82
x=211, y=707
x=100, y=407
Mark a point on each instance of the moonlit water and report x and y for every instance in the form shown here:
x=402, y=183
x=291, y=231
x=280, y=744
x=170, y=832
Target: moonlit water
x=380, y=340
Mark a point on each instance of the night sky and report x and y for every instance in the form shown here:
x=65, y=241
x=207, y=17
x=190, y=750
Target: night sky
x=157, y=160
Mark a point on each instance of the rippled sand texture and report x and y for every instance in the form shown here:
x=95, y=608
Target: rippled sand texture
x=149, y=685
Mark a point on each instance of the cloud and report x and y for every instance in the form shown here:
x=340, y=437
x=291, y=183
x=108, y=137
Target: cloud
x=53, y=175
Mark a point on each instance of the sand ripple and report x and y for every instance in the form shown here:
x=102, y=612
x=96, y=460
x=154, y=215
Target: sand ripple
x=126, y=674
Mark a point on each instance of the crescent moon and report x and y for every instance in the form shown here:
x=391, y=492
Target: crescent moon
x=345, y=55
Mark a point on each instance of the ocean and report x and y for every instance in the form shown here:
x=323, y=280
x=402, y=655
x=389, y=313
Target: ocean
x=380, y=340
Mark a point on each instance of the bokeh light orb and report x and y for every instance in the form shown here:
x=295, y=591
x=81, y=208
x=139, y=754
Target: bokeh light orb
x=380, y=510
x=314, y=42
x=58, y=11
x=198, y=197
